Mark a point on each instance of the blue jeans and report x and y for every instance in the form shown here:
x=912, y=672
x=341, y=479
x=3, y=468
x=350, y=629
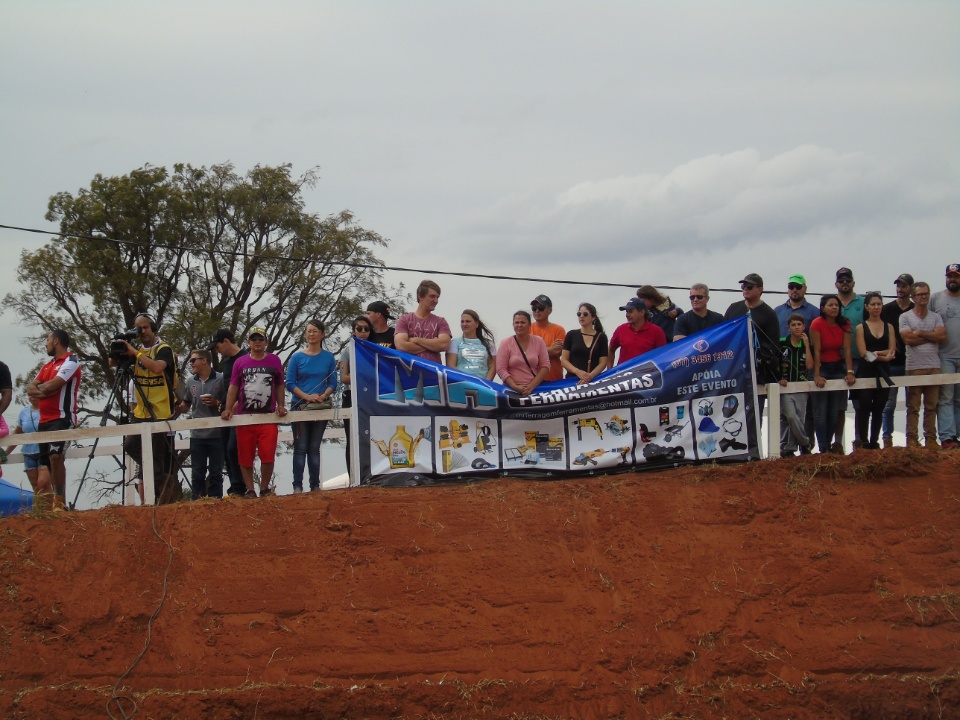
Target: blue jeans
x=891, y=406
x=948, y=405
x=206, y=454
x=307, y=437
x=827, y=406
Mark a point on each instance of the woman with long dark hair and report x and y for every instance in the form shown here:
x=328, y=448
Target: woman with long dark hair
x=832, y=360
x=473, y=352
x=877, y=344
x=362, y=328
x=584, y=354
x=522, y=360
x=311, y=380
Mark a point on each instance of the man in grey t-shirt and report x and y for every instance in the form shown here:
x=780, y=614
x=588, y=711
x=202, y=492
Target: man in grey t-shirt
x=204, y=395
x=946, y=304
x=922, y=332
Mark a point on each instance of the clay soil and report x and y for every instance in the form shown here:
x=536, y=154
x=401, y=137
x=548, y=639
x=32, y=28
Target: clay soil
x=816, y=587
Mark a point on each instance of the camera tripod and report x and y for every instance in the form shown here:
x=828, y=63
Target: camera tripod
x=122, y=381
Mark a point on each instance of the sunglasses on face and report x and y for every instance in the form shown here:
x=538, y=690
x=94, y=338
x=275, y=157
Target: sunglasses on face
x=844, y=279
x=360, y=328
x=794, y=286
x=583, y=314
x=537, y=308
x=747, y=286
x=697, y=297
x=191, y=361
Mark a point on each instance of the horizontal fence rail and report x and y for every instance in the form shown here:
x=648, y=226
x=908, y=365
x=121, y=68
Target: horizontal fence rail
x=146, y=429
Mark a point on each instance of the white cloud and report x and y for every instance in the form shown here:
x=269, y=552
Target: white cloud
x=719, y=201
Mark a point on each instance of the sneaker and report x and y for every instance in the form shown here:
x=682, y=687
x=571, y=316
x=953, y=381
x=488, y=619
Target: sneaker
x=837, y=449
x=266, y=491
x=250, y=494
x=951, y=444
x=887, y=443
x=297, y=490
x=787, y=453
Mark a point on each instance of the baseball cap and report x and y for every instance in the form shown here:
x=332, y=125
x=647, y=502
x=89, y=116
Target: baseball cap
x=753, y=279
x=905, y=278
x=257, y=330
x=844, y=271
x=798, y=278
x=634, y=303
x=542, y=300
x=953, y=268
x=378, y=306
x=219, y=336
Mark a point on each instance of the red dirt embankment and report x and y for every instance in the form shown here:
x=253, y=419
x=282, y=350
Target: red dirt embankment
x=806, y=588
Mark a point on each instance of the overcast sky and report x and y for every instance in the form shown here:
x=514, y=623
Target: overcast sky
x=627, y=142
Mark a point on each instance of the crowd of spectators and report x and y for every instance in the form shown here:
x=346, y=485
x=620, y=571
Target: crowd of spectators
x=849, y=337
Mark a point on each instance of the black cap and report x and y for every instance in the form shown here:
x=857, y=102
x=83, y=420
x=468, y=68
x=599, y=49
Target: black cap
x=542, y=300
x=905, y=278
x=219, y=336
x=844, y=271
x=753, y=279
x=378, y=306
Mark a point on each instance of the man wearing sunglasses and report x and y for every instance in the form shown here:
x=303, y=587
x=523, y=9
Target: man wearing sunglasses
x=698, y=317
x=767, y=326
x=205, y=394
x=796, y=303
x=551, y=334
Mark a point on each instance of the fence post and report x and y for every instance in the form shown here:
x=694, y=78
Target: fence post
x=773, y=420
x=146, y=465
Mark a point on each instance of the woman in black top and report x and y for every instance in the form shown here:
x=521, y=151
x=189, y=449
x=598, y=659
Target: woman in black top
x=584, y=354
x=877, y=344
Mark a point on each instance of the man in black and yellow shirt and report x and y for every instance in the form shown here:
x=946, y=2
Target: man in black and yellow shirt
x=154, y=379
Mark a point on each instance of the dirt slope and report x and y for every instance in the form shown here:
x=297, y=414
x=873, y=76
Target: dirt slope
x=802, y=588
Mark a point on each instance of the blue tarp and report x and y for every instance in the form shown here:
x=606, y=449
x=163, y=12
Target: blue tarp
x=13, y=500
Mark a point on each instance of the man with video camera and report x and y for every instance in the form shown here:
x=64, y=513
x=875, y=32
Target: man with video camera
x=153, y=371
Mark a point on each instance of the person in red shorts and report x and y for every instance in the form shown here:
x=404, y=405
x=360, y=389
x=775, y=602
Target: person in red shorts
x=256, y=387
x=637, y=335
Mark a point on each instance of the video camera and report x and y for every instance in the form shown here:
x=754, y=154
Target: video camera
x=118, y=345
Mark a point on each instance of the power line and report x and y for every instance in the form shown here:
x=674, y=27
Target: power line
x=392, y=268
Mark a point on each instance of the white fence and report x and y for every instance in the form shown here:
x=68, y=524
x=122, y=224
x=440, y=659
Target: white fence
x=774, y=391
x=144, y=430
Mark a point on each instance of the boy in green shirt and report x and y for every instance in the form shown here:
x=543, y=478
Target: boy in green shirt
x=796, y=362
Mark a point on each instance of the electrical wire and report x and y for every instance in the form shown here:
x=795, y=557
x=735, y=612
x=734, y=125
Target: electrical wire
x=374, y=266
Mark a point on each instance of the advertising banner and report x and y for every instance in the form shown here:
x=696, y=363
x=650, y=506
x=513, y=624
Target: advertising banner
x=418, y=423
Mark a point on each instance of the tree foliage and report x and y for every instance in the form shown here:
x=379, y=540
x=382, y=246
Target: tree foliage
x=199, y=249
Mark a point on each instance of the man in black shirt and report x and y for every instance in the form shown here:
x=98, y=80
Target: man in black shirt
x=698, y=318
x=224, y=342
x=891, y=314
x=767, y=326
x=378, y=312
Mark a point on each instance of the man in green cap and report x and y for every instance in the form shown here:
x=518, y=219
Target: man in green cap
x=796, y=303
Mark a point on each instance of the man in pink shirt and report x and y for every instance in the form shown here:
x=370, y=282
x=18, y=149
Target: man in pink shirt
x=421, y=332
x=637, y=335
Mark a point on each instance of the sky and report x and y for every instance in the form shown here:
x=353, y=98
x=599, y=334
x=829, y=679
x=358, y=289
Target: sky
x=612, y=142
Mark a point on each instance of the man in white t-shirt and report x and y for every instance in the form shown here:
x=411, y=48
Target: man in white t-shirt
x=922, y=332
